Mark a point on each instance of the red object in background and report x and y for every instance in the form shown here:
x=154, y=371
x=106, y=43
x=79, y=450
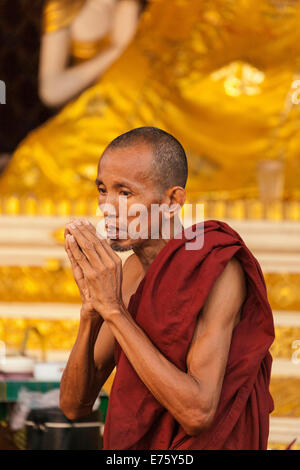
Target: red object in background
x=289, y=447
x=16, y=376
x=166, y=305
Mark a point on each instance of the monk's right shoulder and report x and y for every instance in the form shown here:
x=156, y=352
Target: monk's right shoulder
x=132, y=274
x=132, y=269
x=132, y=262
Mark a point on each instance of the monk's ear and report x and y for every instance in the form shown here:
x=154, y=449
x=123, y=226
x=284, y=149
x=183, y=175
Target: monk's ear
x=172, y=210
x=176, y=196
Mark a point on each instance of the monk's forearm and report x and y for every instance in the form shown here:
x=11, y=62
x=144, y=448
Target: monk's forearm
x=79, y=383
x=176, y=390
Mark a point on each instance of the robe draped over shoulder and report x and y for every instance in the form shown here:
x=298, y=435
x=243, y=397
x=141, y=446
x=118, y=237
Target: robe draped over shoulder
x=166, y=306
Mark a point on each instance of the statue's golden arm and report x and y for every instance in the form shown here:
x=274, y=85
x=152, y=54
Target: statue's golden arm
x=58, y=82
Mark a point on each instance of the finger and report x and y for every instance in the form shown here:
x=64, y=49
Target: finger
x=87, y=229
x=76, y=268
x=103, y=249
x=77, y=271
x=86, y=223
x=107, y=254
x=67, y=231
x=91, y=232
x=87, y=240
x=73, y=261
x=79, y=256
x=67, y=248
x=82, y=250
x=106, y=250
x=82, y=237
x=97, y=250
x=74, y=221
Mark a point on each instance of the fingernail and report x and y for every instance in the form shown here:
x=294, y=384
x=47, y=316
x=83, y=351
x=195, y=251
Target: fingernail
x=73, y=226
x=72, y=239
x=78, y=222
x=86, y=222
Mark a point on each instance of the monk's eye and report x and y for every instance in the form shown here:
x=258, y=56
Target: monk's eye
x=101, y=190
x=125, y=193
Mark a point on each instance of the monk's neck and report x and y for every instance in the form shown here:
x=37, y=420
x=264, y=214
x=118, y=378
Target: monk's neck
x=148, y=251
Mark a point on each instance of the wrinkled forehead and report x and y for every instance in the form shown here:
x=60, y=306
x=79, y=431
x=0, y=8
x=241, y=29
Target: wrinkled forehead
x=132, y=163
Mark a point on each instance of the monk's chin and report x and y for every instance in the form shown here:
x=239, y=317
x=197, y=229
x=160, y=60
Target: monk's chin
x=119, y=246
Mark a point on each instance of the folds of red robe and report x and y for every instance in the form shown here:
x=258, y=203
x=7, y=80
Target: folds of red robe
x=166, y=306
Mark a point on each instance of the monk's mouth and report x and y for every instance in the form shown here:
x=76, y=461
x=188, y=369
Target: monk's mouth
x=116, y=233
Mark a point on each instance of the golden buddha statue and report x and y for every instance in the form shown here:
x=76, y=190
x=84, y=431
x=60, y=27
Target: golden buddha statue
x=220, y=75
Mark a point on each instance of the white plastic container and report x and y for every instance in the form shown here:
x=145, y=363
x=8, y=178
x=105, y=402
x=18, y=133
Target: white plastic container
x=48, y=371
x=16, y=365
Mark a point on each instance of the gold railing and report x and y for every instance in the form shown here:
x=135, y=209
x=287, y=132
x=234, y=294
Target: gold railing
x=239, y=209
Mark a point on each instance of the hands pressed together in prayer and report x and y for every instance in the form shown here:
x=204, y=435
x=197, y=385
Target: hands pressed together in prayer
x=97, y=269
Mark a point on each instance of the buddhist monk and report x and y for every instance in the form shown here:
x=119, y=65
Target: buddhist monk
x=188, y=330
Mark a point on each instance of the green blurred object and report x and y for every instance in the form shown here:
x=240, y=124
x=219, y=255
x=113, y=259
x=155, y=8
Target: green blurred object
x=9, y=394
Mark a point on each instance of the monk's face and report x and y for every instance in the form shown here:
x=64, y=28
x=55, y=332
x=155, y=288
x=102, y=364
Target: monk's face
x=125, y=184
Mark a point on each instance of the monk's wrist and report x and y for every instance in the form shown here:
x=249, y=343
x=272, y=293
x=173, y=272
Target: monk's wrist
x=90, y=322
x=114, y=313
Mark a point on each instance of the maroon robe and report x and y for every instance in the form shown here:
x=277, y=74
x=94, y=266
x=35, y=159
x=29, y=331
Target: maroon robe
x=166, y=306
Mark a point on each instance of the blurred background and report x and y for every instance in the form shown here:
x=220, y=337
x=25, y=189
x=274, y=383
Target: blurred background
x=223, y=77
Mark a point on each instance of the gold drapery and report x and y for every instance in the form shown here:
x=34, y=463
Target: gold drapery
x=220, y=75
x=59, y=14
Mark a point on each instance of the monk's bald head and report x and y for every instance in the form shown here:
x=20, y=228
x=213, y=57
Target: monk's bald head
x=168, y=163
